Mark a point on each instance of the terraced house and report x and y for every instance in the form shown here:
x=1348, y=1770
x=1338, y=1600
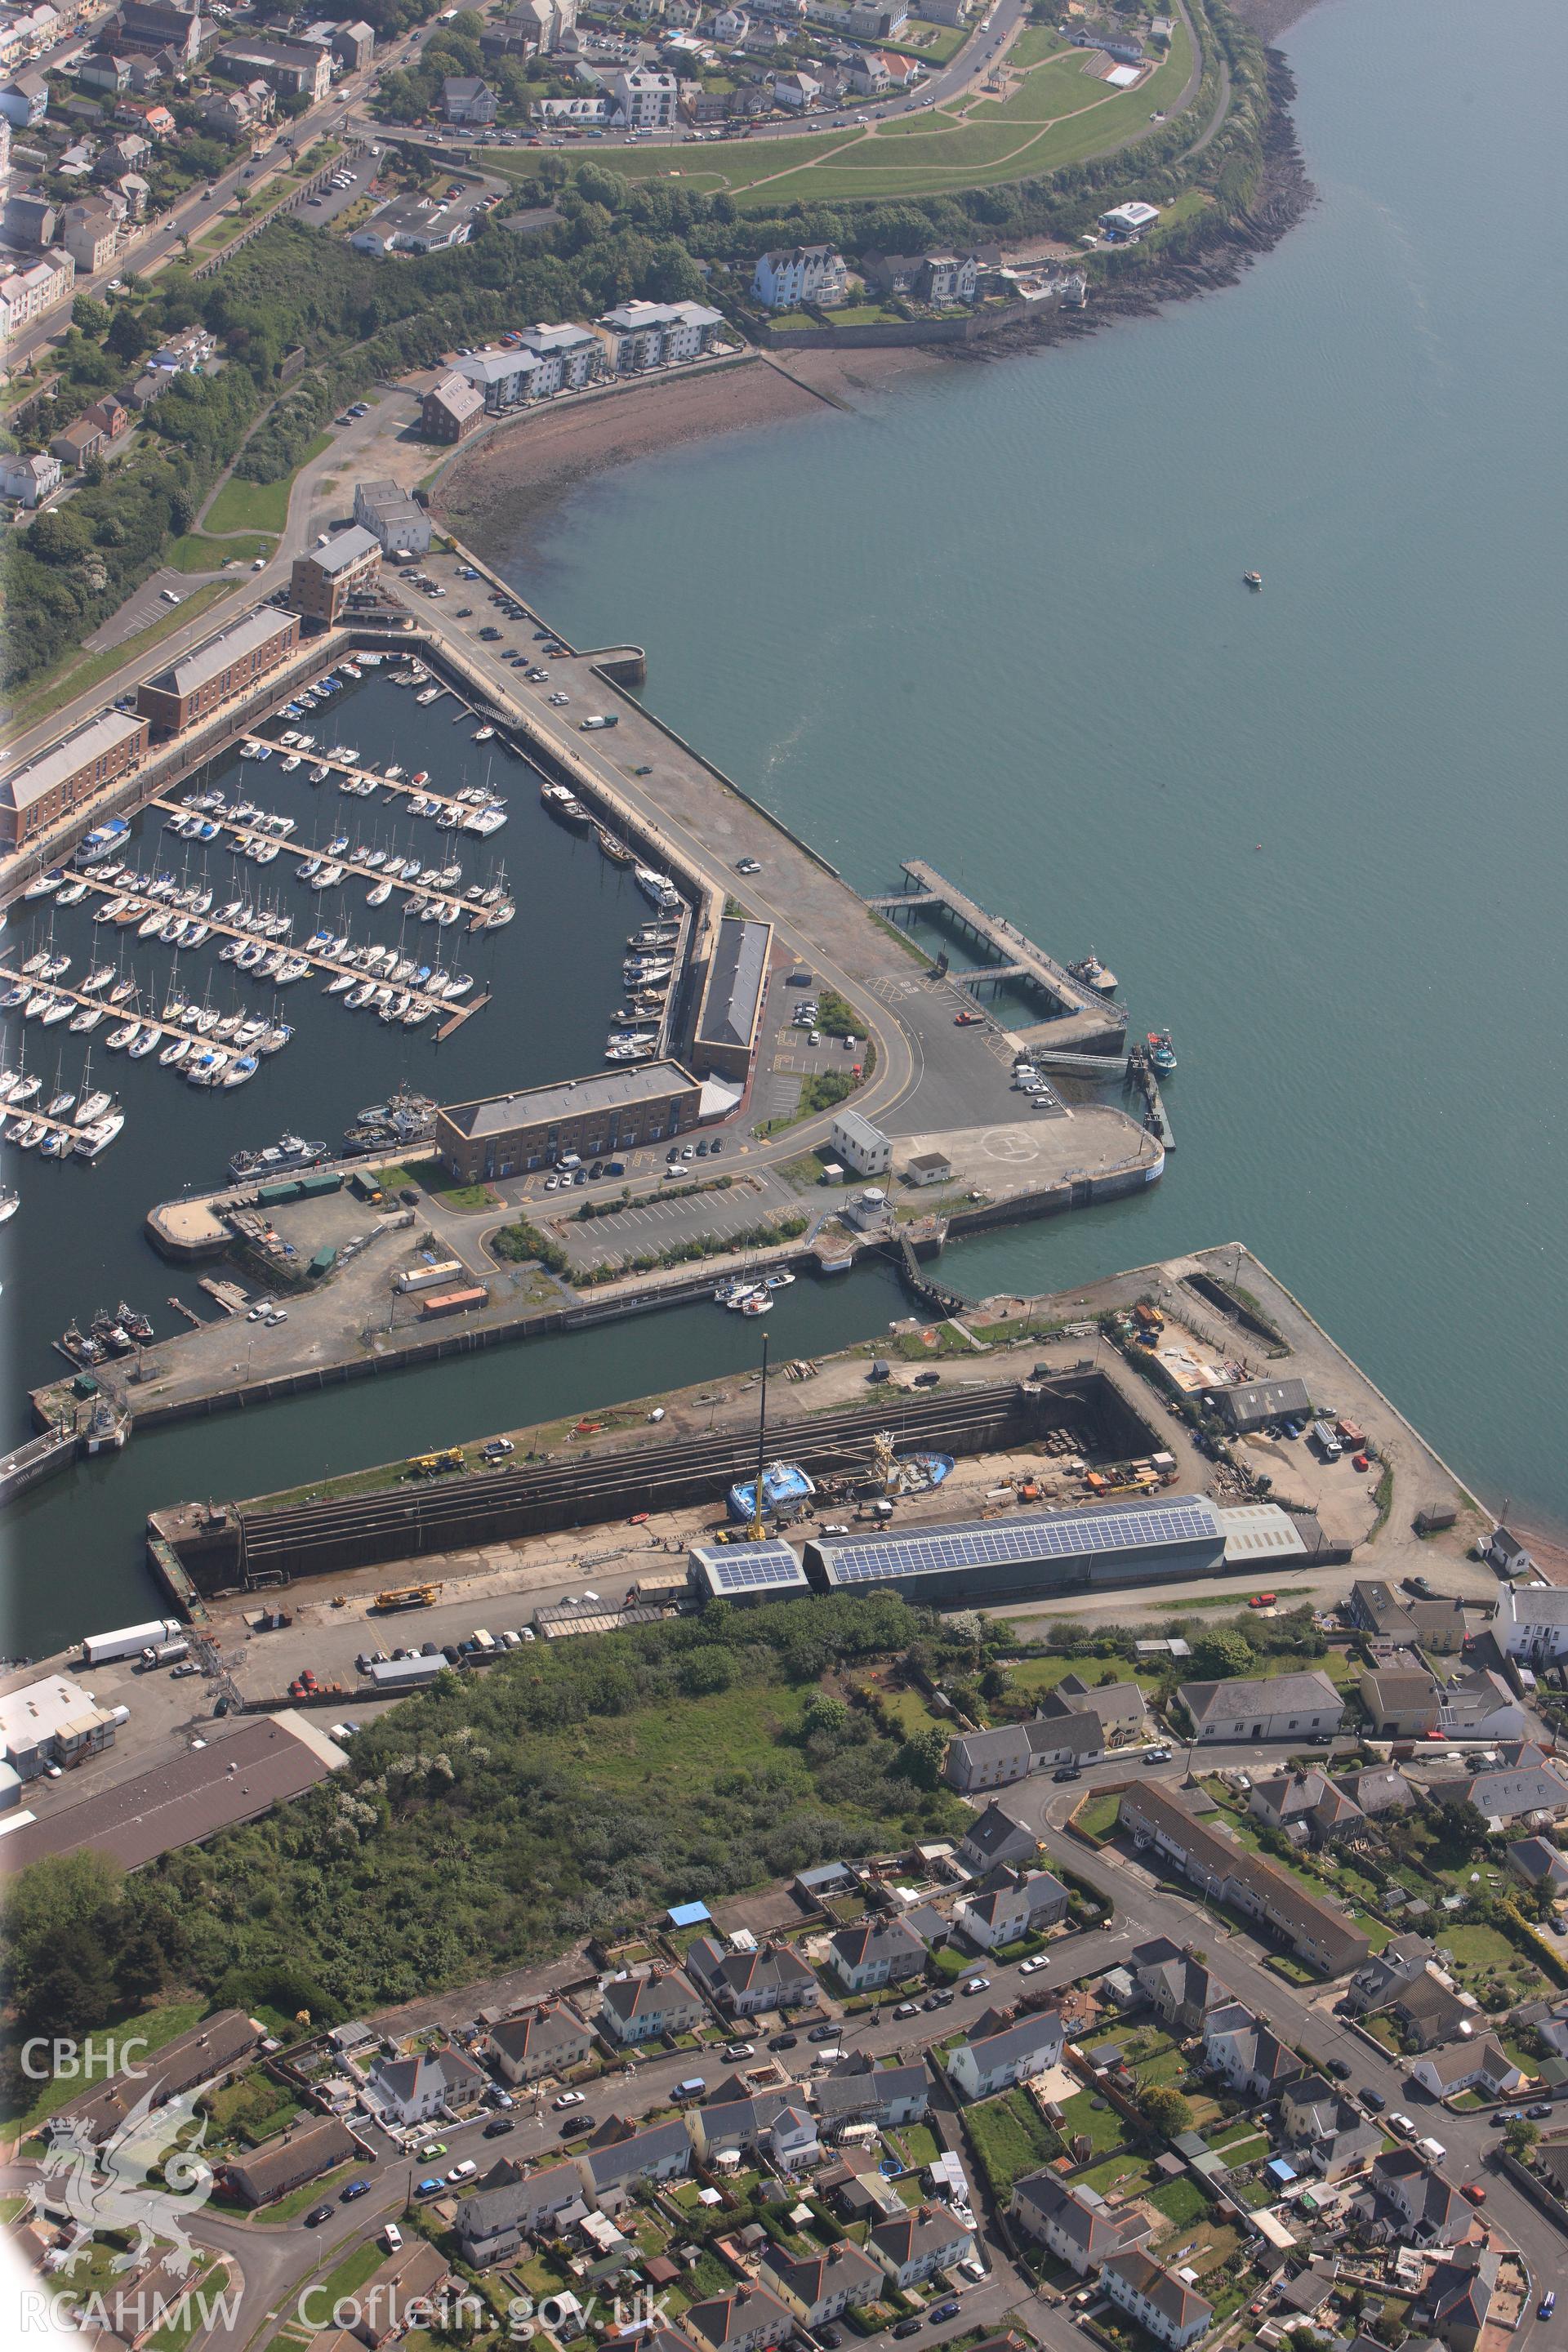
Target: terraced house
x=546, y=2040
x=1000, y=2050
x=915, y=2245
x=1170, y=2309
x=1247, y=2053
x=1074, y=2223
x=1313, y=1929
x=876, y=1952
x=640, y=2008
x=751, y=1983
x=819, y=2287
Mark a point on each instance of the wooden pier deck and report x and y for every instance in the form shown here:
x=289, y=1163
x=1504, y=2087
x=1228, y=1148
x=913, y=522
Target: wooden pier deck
x=331, y=965
x=247, y=829
x=1081, y=1015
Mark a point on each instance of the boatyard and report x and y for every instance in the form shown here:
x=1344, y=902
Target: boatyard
x=1038, y=1406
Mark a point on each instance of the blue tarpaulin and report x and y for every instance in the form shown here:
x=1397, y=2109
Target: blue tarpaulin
x=688, y=1914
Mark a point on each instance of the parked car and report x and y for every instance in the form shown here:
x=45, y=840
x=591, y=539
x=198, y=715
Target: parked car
x=569, y=2099
x=823, y=2033
x=1067, y=1772
x=1372, y=2099
x=976, y=1984
x=1548, y=2304
x=948, y=2310
x=1029, y=1966
x=497, y=2126
x=904, y=2008
x=908, y=2327
x=784, y=2041
x=355, y=2188
x=577, y=2124
x=317, y=2215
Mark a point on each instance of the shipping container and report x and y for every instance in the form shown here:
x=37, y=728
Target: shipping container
x=453, y=1302
x=323, y=1263
x=420, y=1278
x=272, y=1196
x=102, y=1649
x=322, y=1181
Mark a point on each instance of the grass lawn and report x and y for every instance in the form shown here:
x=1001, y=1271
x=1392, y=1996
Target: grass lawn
x=257, y=506
x=464, y=1196
x=1010, y=2136
x=313, y=2192
x=1115, y=2176
x=1482, y=1954
x=157, y=2026
x=252, y=2109
x=79, y=673
x=1100, y=2125
x=1181, y=2202
x=349, y=2274
x=1030, y=1677
x=909, y=1707
x=1060, y=115
x=196, y=554
x=205, y=2283
x=917, y=2143
x=1097, y=1818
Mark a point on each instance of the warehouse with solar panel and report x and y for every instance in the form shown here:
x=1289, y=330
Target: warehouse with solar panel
x=769, y=1569
x=1030, y=1555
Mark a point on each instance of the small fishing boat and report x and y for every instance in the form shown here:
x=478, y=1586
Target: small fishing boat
x=1162, y=1052
x=1254, y=580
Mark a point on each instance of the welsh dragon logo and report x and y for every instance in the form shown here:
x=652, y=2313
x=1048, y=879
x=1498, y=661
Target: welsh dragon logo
x=113, y=2187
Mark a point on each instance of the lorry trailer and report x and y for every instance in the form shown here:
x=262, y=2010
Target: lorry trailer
x=102, y=1649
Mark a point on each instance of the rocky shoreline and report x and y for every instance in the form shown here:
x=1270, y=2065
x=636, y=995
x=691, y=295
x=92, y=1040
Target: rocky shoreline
x=1285, y=196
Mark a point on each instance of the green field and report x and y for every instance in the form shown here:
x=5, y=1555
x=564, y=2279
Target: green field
x=195, y=552
x=1059, y=115
x=155, y=2026
x=256, y=506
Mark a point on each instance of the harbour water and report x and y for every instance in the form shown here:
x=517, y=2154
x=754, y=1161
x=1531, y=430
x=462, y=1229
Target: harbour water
x=997, y=620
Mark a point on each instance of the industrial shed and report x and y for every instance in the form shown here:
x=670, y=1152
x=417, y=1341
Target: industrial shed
x=1032, y=1552
x=769, y=1571
x=1257, y=1402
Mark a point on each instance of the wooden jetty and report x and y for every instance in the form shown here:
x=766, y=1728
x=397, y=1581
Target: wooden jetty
x=1079, y=1015
x=332, y=965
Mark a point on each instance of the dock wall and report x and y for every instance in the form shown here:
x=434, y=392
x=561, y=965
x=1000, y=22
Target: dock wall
x=413, y=1518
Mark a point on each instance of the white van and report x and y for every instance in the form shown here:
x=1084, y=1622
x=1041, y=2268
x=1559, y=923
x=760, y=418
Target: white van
x=482, y=1640
x=392, y=2238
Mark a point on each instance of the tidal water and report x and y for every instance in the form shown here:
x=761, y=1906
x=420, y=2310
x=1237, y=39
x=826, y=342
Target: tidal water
x=996, y=619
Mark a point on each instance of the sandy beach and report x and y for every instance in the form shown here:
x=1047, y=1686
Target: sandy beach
x=499, y=490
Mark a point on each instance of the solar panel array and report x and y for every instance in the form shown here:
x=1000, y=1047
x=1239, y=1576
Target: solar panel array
x=750, y=1567
x=1067, y=1535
